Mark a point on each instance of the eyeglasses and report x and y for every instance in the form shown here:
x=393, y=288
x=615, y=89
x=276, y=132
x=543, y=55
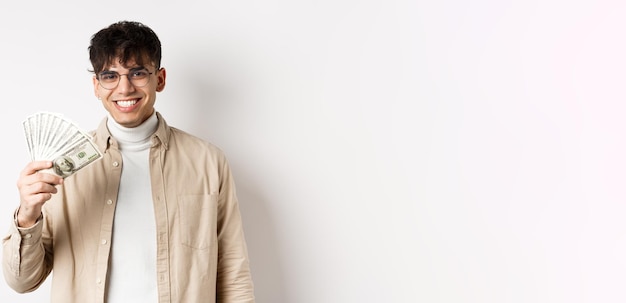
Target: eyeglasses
x=137, y=77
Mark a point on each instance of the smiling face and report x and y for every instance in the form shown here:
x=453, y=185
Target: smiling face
x=128, y=104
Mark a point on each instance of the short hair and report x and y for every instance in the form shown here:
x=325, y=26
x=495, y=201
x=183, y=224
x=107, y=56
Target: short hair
x=125, y=40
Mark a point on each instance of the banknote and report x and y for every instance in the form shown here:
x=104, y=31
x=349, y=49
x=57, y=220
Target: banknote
x=74, y=158
x=52, y=137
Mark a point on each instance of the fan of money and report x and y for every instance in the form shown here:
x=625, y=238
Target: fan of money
x=52, y=137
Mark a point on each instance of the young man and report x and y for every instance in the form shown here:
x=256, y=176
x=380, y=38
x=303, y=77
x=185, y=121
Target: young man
x=155, y=220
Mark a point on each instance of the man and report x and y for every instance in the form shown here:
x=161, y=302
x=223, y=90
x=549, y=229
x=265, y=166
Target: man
x=155, y=220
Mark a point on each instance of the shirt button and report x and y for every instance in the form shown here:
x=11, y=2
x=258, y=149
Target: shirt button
x=28, y=236
x=115, y=164
x=109, y=202
x=98, y=281
x=104, y=241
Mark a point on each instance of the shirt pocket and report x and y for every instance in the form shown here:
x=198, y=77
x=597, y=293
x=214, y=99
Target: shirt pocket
x=198, y=220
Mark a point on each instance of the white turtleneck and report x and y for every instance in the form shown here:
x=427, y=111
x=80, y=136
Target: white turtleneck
x=132, y=272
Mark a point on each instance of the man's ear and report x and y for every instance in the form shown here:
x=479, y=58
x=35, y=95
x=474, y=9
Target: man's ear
x=161, y=79
x=95, y=87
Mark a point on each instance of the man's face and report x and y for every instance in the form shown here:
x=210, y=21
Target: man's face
x=128, y=104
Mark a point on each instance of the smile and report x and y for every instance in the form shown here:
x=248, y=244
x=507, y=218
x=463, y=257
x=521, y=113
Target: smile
x=126, y=103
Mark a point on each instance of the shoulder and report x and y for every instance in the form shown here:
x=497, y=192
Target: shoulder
x=180, y=139
x=177, y=139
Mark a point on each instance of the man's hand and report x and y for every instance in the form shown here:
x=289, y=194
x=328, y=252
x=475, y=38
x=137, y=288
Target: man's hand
x=35, y=190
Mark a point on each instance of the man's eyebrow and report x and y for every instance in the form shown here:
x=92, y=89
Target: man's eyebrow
x=130, y=69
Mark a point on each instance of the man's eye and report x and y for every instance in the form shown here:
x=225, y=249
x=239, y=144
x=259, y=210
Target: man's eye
x=140, y=74
x=108, y=77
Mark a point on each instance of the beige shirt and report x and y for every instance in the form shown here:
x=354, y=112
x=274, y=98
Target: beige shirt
x=201, y=250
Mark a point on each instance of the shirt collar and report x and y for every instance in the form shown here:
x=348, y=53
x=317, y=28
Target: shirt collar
x=104, y=140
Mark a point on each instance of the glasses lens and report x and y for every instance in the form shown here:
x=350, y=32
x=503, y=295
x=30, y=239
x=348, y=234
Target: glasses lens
x=139, y=78
x=109, y=80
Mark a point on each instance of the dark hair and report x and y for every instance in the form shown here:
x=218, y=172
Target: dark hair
x=124, y=40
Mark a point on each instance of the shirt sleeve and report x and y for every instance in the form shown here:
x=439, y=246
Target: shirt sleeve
x=234, y=280
x=23, y=257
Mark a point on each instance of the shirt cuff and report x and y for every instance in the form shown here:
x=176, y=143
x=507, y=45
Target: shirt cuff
x=27, y=233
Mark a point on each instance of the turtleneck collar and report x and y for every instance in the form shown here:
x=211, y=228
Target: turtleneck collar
x=135, y=138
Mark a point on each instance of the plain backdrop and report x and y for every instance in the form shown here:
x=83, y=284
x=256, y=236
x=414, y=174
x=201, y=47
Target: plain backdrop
x=384, y=151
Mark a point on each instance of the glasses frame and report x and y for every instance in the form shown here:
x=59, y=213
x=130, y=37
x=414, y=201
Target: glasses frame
x=127, y=77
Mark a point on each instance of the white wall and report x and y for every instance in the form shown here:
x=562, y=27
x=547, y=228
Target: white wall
x=384, y=151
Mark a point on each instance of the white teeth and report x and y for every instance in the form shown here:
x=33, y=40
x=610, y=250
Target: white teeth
x=128, y=103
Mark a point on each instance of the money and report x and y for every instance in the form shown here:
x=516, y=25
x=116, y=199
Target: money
x=52, y=137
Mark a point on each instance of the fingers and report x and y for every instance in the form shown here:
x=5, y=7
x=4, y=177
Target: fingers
x=29, y=174
x=35, y=189
x=35, y=166
x=37, y=193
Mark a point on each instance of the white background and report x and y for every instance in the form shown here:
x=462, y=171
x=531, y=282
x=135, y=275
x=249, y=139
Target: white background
x=384, y=151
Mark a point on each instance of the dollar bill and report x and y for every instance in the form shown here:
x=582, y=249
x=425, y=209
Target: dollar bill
x=52, y=137
x=74, y=158
x=29, y=139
